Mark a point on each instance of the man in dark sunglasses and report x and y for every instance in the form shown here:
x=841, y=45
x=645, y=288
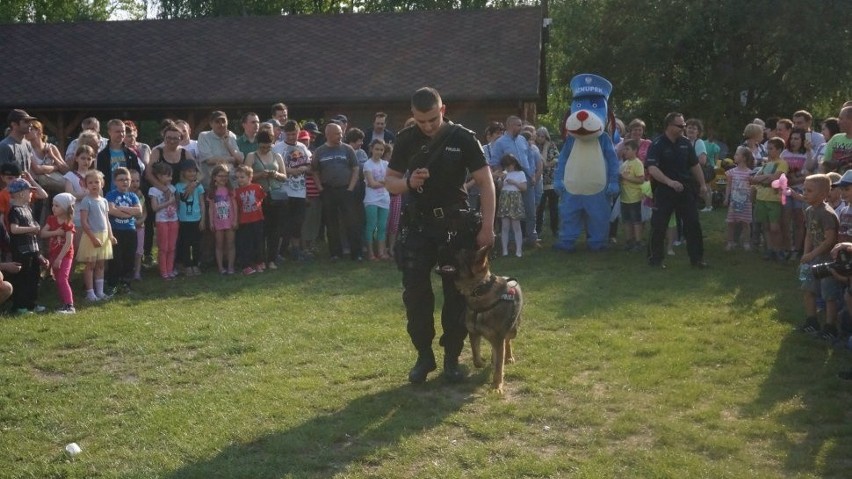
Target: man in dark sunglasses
x=678, y=182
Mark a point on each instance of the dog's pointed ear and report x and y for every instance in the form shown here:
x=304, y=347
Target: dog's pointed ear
x=482, y=255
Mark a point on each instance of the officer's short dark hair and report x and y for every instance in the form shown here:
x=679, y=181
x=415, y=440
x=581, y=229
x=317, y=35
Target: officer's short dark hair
x=425, y=99
x=670, y=118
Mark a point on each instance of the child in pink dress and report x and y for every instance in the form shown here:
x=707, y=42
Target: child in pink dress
x=738, y=198
x=223, y=217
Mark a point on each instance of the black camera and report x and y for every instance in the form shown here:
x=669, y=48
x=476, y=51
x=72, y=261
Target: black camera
x=842, y=266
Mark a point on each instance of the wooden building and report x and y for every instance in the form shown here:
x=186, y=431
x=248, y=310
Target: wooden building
x=487, y=64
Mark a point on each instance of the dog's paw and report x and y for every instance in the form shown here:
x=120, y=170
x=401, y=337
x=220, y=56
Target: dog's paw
x=497, y=389
x=509, y=360
x=479, y=362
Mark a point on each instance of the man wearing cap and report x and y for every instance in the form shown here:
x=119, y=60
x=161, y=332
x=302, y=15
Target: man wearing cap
x=247, y=142
x=316, y=136
x=379, y=131
x=218, y=145
x=343, y=121
x=678, y=181
x=15, y=148
x=838, y=150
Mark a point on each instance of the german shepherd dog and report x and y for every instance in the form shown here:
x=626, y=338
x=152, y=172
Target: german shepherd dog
x=494, y=305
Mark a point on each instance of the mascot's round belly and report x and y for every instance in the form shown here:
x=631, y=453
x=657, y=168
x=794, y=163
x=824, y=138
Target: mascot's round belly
x=585, y=170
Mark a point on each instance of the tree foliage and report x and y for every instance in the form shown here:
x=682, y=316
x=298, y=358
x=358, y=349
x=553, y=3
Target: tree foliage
x=224, y=8
x=52, y=11
x=725, y=61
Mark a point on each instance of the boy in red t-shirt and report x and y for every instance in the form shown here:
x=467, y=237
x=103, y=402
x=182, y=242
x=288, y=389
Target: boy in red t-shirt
x=250, y=237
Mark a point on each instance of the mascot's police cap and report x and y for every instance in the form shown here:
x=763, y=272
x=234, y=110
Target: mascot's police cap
x=588, y=84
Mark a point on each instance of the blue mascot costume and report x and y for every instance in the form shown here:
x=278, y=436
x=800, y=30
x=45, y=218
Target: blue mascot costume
x=587, y=171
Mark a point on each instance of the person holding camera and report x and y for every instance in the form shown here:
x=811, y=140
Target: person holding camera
x=841, y=254
x=820, y=239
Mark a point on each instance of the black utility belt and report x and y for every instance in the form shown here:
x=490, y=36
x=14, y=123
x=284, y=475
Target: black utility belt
x=437, y=213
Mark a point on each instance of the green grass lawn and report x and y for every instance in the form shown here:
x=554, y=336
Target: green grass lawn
x=622, y=371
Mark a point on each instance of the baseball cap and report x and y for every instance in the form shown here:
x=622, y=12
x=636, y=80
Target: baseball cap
x=341, y=118
x=274, y=122
x=18, y=115
x=19, y=185
x=845, y=180
x=218, y=114
x=10, y=169
x=311, y=127
x=304, y=135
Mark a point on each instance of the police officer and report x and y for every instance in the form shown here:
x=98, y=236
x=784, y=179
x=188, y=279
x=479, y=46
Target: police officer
x=430, y=161
x=678, y=182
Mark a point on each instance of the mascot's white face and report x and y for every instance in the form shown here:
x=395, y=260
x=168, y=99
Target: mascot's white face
x=585, y=122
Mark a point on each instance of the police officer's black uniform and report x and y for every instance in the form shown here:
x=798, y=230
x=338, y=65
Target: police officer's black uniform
x=431, y=217
x=676, y=160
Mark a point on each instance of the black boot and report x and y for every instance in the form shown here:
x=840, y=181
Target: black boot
x=452, y=371
x=425, y=364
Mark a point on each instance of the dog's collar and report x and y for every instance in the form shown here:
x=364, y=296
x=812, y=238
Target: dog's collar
x=483, y=288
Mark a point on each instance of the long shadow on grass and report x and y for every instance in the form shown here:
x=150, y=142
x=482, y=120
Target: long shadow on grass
x=329, y=443
x=804, y=394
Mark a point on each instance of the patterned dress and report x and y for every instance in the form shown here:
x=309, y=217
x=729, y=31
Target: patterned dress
x=739, y=206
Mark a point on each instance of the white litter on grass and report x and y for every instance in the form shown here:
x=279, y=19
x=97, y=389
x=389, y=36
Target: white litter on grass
x=73, y=449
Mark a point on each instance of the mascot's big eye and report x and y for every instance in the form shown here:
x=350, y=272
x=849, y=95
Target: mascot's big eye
x=579, y=105
x=594, y=105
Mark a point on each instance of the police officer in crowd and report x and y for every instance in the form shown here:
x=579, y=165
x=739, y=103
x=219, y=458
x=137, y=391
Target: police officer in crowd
x=430, y=161
x=678, y=183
